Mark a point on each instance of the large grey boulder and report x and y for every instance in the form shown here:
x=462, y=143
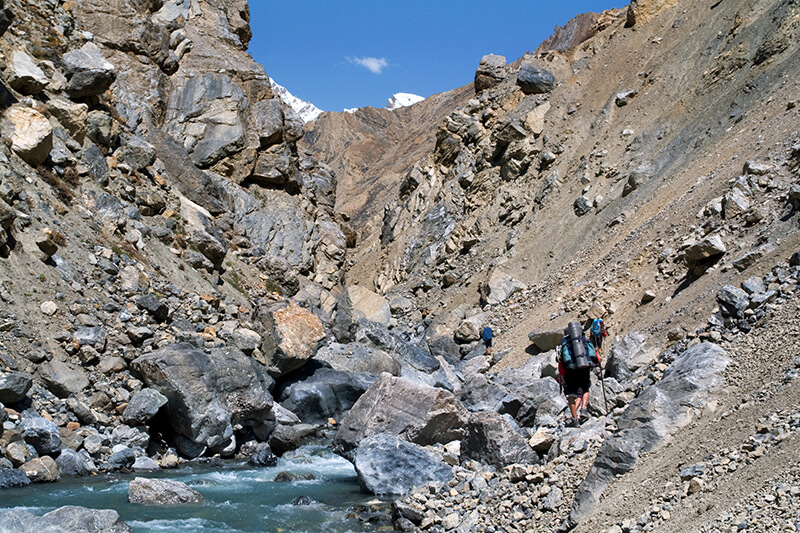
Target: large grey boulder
x=132, y=437
x=628, y=355
x=533, y=80
x=24, y=75
x=491, y=71
x=411, y=410
x=537, y=398
x=63, y=379
x=143, y=406
x=42, y=434
x=355, y=357
x=79, y=519
x=479, y=393
x=75, y=464
x=491, y=439
x=709, y=246
x=208, y=394
x=388, y=465
x=733, y=301
x=10, y=478
x=161, y=492
x=291, y=336
x=29, y=132
x=659, y=411
x=137, y=153
x=439, y=337
x=145, y=464
x=68, y=519
x=81, y=410
x=122, y=458
x=91, y=336
x=325, y=393
x=546, y=340
x=284, y=439
x=153, y=305
x=14, y=386
x=88, y=71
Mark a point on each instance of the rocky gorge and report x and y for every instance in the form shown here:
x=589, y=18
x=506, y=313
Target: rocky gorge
x=190, y=273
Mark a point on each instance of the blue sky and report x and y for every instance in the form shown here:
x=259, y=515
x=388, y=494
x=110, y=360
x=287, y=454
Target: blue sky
x=356, y=53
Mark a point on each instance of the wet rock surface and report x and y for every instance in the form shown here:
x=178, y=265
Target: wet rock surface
x=161, y=492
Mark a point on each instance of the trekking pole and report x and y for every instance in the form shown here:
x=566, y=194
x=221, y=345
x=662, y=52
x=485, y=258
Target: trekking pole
x=603, y=386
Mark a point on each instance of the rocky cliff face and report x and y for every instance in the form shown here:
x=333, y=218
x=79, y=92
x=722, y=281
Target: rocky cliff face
x=154, y=200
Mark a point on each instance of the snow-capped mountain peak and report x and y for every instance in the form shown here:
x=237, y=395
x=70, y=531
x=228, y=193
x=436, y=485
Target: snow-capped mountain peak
x=306, y=110
x=399, y=100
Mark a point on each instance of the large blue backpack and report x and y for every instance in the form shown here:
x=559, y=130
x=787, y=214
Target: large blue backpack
x=597, y=327
x=486, y=334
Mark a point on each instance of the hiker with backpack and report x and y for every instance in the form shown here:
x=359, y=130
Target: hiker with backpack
x=576, y=359
x=486, y=337
x=597, y=332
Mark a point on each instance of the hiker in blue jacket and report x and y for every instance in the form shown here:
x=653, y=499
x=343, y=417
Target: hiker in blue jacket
x=597, y=332
x=486, y=337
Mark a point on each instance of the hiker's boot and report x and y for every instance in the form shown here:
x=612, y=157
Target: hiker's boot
x=584, y=416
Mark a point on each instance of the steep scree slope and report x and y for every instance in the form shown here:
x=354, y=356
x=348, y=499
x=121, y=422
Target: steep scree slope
x=606, y=188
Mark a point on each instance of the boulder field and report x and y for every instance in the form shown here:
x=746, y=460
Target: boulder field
x=187, y=270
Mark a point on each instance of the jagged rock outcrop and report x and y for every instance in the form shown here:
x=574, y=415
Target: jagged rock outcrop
x=577, y=30
x=491, y=439
x=643, y=11
x=659, y=411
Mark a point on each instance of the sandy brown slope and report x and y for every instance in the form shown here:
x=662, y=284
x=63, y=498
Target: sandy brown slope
x=756, y=389
x=372, y=149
